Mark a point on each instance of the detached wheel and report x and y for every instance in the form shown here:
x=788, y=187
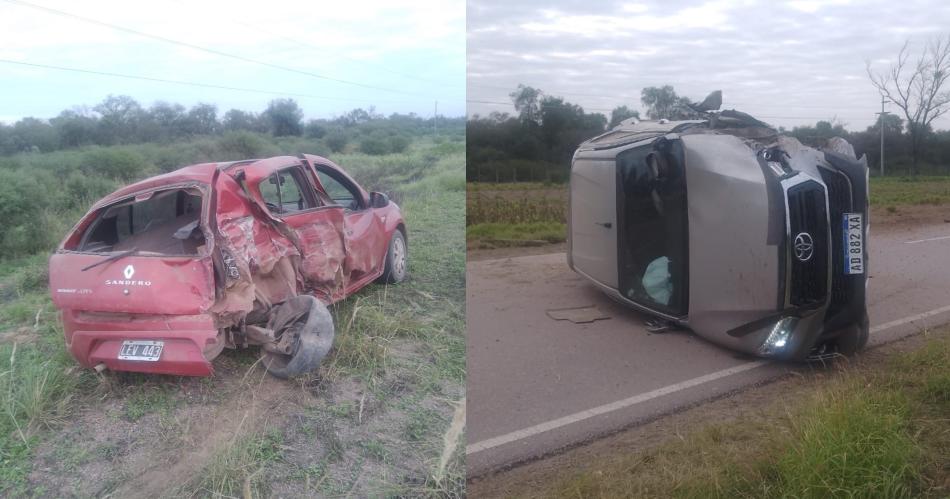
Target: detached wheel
x=397, y=260
x=304, y=327
x=855, y=337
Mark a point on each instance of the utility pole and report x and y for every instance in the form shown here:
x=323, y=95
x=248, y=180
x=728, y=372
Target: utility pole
x=435, y=118
x=881, y=124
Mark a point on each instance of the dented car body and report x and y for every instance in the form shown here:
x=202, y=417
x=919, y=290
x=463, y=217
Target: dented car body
x=726, y=227
x=162, y=275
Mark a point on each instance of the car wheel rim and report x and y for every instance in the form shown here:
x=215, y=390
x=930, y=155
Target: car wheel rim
x=399, y=257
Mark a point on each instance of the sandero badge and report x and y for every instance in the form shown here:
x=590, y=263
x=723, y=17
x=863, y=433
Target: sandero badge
x=161, y=276
x=722, y=225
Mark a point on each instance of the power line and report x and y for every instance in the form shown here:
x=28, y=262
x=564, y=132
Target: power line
x=181, y=82
x=206, y=49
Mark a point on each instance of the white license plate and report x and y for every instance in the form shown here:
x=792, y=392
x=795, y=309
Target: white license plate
x=147, y=350
x=853, y=243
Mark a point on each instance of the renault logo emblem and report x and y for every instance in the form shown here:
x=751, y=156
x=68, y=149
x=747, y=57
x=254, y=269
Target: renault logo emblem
x=804, y=246
x=129, y=272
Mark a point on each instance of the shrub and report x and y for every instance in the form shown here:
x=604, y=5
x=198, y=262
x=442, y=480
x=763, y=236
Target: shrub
x=244, y=145
x=336, y=140
x=113, y=163
x=398, y=143
x=374, y=145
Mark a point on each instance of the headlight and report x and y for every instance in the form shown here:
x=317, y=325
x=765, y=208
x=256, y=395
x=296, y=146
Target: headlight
x=779, y=336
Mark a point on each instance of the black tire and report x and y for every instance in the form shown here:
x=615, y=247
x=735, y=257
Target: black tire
x=308, y=319
x=397, y=260
x=855, y=337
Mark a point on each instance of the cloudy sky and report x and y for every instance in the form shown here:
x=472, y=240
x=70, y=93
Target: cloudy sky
x=789, y=63
x=400, y=58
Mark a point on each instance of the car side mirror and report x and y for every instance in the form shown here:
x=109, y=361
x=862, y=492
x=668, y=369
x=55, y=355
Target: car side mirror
x=378, y=200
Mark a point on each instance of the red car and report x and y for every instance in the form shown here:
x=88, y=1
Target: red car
x=162, y=275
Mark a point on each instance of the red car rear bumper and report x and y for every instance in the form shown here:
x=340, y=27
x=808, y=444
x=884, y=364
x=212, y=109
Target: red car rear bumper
x=95, y=338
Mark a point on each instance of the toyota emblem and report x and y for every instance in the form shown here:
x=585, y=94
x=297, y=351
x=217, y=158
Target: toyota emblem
x=804, y=246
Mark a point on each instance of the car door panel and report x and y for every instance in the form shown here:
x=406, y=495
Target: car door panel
x=364, y=231
x=318, y=233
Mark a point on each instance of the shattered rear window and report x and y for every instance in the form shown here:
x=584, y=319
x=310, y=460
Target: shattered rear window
x=162, y=222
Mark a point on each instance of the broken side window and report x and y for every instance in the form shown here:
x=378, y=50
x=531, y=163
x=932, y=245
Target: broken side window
x=287, y=191
x=340, y=191
x=161, y=222
x=652, y=226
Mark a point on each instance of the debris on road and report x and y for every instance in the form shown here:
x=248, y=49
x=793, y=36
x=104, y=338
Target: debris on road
x=578, y=315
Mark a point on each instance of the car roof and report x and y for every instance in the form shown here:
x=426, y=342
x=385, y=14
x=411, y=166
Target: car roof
x=202, y=173
x=633, y=130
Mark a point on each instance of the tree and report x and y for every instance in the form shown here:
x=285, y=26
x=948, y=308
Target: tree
x=917, y=89
x=662, y=102
x=527, y=101
x=165, y=121
x=120, y=119
x=236, y=119
x=284, y=117
x=75, y=127
x=202, y=119
x=621, y=113
x=33, y=134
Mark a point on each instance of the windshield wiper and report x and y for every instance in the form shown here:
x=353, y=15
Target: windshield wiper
x=111, y=258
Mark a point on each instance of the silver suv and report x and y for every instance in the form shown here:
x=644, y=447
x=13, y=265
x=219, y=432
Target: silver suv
x=723, y=226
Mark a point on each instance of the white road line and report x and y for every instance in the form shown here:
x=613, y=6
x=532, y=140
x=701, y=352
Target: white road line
x=531, y=431
x=928, y=239
x=911, y=318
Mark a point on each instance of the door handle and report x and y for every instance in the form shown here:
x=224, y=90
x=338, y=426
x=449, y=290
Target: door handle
x=605, y=225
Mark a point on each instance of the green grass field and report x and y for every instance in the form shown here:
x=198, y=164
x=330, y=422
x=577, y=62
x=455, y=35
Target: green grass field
x=906, y=191
x=369, y=422
x=523, y=214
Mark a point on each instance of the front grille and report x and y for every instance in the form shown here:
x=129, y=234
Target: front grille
x=839, y=203
x=808, y=222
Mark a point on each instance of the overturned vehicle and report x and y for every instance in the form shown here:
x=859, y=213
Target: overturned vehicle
x=162, y=275
x=723, y=226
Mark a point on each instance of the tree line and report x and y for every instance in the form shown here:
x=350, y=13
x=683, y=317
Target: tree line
x=120, y=119
x=537, y=144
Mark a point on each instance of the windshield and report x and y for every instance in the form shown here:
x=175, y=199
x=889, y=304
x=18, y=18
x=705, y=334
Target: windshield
x=652, y=226
x=162, y=222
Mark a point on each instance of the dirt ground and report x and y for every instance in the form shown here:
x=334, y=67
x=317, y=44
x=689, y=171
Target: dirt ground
x=528, y=479
x=907, y=215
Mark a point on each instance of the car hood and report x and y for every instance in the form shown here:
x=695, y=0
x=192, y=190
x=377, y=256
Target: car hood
x=735, y=234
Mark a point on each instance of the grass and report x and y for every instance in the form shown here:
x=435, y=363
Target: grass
x=522, y=214
x=868, y=431
x=240, y=469
x=892, y=192
x=37, y=379
x=521, y=234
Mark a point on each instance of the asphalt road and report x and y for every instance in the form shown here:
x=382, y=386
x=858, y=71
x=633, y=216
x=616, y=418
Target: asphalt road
x=536, y=385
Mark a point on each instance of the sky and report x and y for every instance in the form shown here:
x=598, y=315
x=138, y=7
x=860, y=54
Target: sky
x=788, y=63
x=411, y=55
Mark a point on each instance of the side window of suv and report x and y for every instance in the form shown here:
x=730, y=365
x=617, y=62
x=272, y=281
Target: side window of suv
x=342, y=193
x=287, y=191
